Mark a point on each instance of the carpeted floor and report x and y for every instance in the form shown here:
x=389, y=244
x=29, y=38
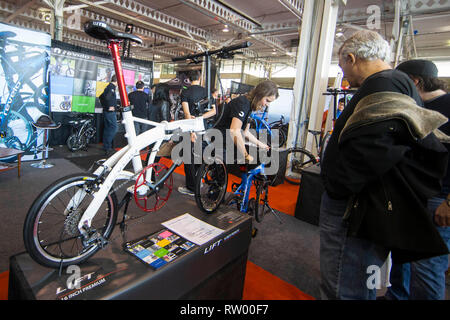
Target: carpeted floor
x=283, y=259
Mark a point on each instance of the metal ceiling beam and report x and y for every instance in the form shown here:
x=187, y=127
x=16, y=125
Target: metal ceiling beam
x=224, y=15
x=127, y=17
x=239, y=12
x=158, y=16
x=20, y=10
x=294, y=6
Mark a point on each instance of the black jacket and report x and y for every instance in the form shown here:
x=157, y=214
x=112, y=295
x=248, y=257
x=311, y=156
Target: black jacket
x=108, y=97
x=404, y=160
x=160, y=111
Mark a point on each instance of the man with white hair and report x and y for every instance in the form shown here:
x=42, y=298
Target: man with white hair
x=382, y=163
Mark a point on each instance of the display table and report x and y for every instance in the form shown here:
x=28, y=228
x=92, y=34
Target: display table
x=7, y=152
x=309, y=196
x=214, y=270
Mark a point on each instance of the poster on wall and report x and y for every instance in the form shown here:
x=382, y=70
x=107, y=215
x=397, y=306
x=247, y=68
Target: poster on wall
x=78, y=79
x=25, y=57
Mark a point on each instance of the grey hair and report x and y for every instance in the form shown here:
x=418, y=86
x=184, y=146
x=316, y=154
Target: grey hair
x=367, y=45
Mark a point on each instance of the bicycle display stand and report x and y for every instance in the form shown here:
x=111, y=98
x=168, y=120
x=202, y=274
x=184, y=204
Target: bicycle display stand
x=215, y=270
x=309, y=195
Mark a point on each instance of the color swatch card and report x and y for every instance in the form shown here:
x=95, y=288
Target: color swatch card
x=158, y=249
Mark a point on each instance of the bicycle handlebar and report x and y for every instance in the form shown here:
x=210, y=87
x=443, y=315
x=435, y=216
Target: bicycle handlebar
x=242, y=45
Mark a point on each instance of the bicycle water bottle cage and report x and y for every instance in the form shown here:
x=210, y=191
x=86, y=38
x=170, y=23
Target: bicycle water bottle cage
x=101, y=31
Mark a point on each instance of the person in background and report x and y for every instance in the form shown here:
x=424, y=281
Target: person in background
x=425, y=279
x=141, y=103
x=189, y=99
x=160, y=107
x=340, y=107
x=215, y=96
x=109, y=101
x=235, y=117
x=382, y=162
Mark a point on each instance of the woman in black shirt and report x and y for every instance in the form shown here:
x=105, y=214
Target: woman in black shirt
x=237, y=112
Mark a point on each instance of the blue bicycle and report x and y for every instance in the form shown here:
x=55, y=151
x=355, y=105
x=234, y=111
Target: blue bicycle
x=258, y=122
x=241, y=193
x=212, y=179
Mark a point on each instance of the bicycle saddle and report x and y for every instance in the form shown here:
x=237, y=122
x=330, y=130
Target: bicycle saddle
x=314, y=132
x=101, y=31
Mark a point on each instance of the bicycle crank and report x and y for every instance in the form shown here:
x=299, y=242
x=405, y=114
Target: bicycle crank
x=153, y=187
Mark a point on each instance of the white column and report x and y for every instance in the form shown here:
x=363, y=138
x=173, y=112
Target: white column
x=313, y=63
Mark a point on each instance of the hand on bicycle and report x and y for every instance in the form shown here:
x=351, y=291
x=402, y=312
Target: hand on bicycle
x=248, y=158
x=193, y=137
x=264, y=146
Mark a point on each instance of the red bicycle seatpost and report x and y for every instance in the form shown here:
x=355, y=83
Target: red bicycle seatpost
x=114, y=47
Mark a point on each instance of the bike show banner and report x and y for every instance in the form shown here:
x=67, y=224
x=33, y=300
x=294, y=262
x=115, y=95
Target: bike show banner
x=25, y=56
x=78, y=78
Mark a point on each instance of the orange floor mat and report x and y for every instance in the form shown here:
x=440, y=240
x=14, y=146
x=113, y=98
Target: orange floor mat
x=262, y=285
x=4, y=279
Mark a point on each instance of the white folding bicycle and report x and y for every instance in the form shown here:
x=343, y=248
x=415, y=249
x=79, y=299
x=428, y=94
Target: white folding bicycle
x=74, y=217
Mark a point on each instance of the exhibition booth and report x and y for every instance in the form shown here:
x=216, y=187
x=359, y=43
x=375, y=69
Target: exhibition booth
x=189, y=256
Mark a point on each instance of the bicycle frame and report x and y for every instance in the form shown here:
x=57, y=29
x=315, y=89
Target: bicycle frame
x=260, y=121
x=117, y=162
x=246, y=184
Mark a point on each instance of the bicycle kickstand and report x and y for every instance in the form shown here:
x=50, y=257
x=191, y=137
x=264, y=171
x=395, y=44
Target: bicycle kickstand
x=274, y=213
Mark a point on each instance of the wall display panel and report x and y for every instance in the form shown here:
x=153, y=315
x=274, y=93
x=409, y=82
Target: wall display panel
x=78, y=78
x=282, y=105
x=25, y=58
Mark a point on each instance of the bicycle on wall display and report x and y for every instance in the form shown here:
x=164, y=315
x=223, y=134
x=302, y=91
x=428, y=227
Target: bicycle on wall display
x=86, y=204
x=23, y=92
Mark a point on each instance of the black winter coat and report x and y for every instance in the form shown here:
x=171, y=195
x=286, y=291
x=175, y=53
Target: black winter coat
x=391, y=210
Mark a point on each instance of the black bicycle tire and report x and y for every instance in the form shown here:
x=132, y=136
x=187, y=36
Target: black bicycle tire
x=198, y=184
x=310, y=160
x=323, y=145
x=282, y=135
x=32, y=224
x=72, y=146
x=259, y=216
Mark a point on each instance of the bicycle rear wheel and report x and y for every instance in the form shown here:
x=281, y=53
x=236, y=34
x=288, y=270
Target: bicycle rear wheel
x=50, y=232
x=260, y=202
x=211, y=185
x=298, y=160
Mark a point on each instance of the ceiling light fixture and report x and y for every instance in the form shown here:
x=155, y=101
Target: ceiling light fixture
x=225, y=29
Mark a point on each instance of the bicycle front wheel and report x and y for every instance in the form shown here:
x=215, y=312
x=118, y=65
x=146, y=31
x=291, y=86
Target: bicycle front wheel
x=50, y=232
x=73, y=143
x=298, y=160
x=211, y=185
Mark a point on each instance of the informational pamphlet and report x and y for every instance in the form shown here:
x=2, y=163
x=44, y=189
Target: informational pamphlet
x=192, y=229
x=158, y=249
